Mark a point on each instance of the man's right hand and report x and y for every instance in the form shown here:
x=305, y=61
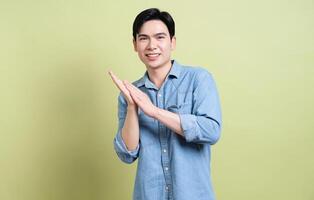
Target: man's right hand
x=123, y=89
x=130, y=131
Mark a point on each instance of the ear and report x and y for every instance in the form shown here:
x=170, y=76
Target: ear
x=134, y=45
x=173, y=43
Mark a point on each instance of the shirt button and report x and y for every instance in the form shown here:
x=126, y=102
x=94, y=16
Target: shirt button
x=167, y=188
x=166, y=168
x=165, y=150
x=159, y=95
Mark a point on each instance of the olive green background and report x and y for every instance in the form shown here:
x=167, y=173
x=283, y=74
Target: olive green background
x=59, y=108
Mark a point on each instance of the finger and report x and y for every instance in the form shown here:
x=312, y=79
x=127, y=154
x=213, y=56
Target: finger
x=115, y=79
x=111, y=74
x=135, y=95
x=133, y=86
x=139, y=98
x=131, y=91
x=134, y=89
x=137, y=91
x=136, y=98
x=126, y=84
x=128, y=97
x=121, y=87
x=125, y=93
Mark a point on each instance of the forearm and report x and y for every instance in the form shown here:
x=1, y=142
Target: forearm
x=198, y=129
x=169, y=119
x=130, y=130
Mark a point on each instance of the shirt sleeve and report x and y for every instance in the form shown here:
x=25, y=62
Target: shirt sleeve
x=203, y=125
x=120, y=147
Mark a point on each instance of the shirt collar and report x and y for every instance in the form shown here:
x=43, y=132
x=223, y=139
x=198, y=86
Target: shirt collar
x=174, y=72
x=175, y=69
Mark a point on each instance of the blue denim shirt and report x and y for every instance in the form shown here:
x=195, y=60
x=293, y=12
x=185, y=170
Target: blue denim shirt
x=171, y=166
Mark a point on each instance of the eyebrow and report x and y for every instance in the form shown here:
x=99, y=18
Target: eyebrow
x=157, y=34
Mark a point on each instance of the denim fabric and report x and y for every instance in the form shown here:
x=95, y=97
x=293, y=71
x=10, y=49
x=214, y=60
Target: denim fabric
x=171, y=166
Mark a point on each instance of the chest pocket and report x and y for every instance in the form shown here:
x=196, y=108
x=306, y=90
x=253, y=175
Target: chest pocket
x=183, y=103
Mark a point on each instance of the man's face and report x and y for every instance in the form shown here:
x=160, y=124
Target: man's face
x=153, y=44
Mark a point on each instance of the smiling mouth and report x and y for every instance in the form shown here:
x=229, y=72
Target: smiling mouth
x=152, y=55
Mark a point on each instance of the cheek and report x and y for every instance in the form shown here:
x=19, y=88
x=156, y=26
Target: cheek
x=141, y=48
x=166, y=46
x=166, y=49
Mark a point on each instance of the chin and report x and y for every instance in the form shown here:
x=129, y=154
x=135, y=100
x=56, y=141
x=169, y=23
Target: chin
x=153, y=65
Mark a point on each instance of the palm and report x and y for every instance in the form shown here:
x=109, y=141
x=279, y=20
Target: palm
x=122, y=88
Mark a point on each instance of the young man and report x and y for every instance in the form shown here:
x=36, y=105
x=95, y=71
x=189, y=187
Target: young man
x=168, y=119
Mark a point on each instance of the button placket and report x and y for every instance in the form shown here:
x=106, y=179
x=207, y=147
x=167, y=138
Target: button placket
x=164, y=145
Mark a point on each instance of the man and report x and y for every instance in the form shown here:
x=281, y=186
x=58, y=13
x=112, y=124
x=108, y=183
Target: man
x=168, y=119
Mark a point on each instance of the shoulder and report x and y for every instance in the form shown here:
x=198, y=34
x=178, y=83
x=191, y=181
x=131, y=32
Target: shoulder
x=138, y=81
x=196, y=73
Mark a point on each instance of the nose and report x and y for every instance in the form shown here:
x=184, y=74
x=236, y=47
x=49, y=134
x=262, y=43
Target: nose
x=152, y=44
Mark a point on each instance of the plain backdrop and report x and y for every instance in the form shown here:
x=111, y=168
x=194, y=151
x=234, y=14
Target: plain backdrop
x=58, y=106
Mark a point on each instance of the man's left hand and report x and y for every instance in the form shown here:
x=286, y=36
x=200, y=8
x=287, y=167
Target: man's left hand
x=141, y=99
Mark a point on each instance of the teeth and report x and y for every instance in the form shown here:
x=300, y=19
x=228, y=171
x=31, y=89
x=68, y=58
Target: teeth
x=153, y=55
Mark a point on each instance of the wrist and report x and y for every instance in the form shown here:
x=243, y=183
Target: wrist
x=132, y=108
x=156, y=112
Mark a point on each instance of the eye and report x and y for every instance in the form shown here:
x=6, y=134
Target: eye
x=161, y=37
x=142, y=38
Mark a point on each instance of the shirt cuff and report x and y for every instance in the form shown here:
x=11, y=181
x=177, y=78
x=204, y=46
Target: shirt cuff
x=188, y=124
x=122, y=146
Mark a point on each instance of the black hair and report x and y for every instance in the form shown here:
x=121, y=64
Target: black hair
x=153, y=14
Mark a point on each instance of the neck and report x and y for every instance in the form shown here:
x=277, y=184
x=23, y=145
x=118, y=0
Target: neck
x=159, y=74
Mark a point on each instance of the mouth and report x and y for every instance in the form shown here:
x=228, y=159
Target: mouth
x=152, y=55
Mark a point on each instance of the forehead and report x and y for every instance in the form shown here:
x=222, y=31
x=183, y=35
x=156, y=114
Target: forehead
x=153, y=26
